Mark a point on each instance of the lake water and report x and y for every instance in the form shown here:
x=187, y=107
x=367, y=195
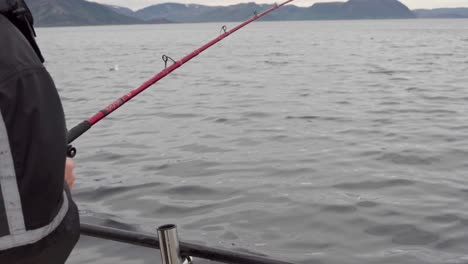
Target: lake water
x=310, y=142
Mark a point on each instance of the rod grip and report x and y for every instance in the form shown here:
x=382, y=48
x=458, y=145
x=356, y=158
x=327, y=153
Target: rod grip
x=77, y=131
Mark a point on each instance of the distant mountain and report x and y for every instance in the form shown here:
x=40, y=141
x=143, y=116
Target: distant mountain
x=442, y=13
x=121, y=10
x=375, y=9
x=237, y=12
x=189, y=13
x=173, y=12
x=353, y=9
x=332, y=10
x=359, y=9
x=130, y=13
x=75, y=13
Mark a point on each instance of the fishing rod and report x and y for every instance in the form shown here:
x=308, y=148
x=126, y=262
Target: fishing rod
x=84, y=126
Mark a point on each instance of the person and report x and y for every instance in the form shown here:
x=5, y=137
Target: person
x=39, y=222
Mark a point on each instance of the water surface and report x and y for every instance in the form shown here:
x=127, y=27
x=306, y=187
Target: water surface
x=311, y=142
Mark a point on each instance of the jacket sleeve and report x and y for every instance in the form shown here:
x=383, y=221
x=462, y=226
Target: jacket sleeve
x=35, y=126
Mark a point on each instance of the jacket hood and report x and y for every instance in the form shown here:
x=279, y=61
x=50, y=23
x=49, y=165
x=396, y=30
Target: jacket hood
x=18, y=13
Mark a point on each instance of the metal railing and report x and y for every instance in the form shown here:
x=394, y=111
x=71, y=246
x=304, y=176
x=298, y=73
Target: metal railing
x=172, y=250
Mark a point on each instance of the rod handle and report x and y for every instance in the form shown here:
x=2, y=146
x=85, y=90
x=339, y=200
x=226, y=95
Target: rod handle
x=77, y=131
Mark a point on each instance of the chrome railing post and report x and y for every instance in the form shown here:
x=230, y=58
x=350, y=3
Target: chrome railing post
x=169, y=243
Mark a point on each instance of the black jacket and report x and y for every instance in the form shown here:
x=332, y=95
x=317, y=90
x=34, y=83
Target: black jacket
x=34, y=205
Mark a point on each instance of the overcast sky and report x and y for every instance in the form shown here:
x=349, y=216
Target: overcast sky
x=136, y=4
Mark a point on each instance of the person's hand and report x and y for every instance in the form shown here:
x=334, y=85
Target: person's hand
x=69, y=172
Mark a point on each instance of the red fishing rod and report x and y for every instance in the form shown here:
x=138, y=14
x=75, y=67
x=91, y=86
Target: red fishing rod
x=84, y=126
